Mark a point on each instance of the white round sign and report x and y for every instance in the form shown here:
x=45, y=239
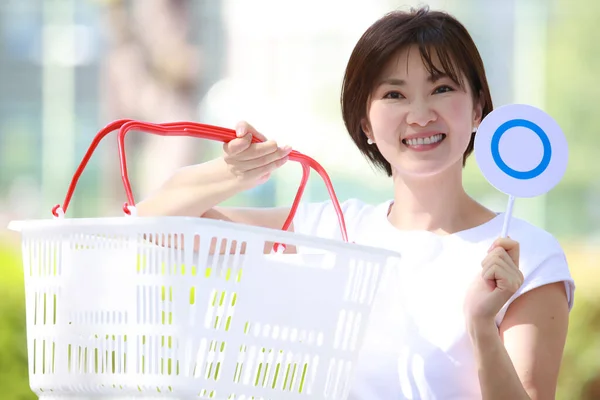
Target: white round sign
x=521, y=150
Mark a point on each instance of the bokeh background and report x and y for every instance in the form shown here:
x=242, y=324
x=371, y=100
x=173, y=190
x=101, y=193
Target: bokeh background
x=69, y=67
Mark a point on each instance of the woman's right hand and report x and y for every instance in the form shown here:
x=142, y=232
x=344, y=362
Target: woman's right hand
x=252, y=163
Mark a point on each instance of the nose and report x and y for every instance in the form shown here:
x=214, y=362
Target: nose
x=420, y=113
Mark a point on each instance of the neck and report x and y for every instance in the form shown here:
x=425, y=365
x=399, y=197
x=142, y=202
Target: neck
x=438, y=204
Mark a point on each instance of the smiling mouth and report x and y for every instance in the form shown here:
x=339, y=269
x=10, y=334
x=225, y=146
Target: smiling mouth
x=424, y=141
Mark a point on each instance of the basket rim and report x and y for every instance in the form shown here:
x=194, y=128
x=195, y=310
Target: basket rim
x=174, y=222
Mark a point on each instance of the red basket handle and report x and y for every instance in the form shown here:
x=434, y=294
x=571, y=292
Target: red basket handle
x=198, y=130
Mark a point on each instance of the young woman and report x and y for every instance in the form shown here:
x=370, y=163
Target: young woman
x=469, y=316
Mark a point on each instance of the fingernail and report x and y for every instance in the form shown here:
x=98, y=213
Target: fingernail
x=286, y=148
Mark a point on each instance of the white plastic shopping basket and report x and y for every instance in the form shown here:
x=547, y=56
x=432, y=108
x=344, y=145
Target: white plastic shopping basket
x=190, y=308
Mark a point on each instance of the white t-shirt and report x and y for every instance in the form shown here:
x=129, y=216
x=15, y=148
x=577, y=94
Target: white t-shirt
x=416, y=346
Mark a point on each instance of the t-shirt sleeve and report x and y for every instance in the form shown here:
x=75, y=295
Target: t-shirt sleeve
x=547, y=264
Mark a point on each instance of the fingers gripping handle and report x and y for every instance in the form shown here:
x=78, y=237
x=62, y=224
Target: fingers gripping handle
x=299, y=193
x=197, y=130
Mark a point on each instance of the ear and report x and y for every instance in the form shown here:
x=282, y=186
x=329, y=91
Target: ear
x=366, y=128
x=478, y=110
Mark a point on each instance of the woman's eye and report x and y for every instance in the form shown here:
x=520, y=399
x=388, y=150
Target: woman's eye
x=443, y=89
x=393, y=95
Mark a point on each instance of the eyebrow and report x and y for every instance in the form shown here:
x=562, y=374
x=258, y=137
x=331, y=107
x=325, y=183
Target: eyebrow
x=402, y=82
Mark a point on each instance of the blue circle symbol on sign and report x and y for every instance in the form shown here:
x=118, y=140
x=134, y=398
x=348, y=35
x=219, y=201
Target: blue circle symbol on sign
x=523, y=175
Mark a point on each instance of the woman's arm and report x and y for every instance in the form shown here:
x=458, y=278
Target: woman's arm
x=521, y=359
x=192, y=191
x=197, y=190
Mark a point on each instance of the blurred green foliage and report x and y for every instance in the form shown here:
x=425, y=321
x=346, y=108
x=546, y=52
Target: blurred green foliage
x=580, y=371
x=572, y=64
x=14, y=384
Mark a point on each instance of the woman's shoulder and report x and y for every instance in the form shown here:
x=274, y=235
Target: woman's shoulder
x=540, y=252
x=533, y=240
x=542, y=259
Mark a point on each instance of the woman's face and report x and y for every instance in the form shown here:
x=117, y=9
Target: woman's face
x=421, y=124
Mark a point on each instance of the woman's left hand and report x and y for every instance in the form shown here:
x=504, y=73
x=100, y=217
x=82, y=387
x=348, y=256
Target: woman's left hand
x=500, y=278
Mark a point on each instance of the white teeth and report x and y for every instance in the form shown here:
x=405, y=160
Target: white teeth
x=427, y=140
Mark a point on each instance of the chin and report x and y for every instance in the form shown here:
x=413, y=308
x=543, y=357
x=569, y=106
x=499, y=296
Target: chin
x=426, y=169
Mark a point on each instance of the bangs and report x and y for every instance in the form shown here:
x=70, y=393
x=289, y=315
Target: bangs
x=430, y=53
x=441, y=55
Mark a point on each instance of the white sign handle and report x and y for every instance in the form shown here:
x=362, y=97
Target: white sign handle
x=508, y=216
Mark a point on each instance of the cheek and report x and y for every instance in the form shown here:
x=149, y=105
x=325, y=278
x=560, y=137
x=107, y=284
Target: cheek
x=461, y=109
x=460, y=112
x=384, y=118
